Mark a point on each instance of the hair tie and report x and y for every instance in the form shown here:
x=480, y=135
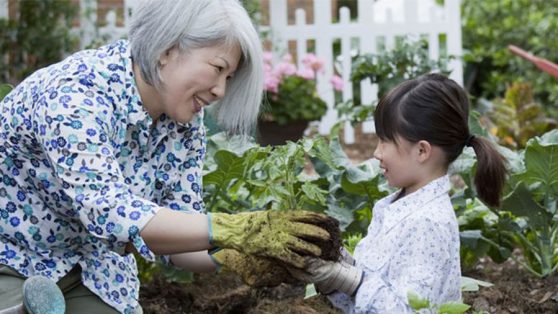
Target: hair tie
x=469, y=141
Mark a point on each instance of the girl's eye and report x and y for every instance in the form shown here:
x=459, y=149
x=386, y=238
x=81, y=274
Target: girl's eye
x=218, y=68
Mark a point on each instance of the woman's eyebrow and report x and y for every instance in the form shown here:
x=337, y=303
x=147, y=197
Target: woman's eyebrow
x=227, y=62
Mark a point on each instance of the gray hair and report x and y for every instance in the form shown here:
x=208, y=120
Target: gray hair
x=160, y=25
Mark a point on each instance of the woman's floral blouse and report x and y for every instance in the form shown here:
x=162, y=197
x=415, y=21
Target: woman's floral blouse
x=82, y=170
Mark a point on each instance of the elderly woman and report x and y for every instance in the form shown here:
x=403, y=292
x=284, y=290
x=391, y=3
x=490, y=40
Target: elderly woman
x=101, y=155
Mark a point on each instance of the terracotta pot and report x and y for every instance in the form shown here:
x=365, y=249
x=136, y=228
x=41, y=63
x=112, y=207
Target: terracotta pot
x=271, y=133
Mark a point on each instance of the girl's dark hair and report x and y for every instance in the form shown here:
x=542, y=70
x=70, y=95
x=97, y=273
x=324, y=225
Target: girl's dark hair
x=435, y=108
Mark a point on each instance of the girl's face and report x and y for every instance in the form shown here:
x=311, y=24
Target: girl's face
x=400, y=164
x=193, y=80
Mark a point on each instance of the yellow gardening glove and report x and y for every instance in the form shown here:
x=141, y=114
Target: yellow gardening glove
x=283, y=235
x=254, y=271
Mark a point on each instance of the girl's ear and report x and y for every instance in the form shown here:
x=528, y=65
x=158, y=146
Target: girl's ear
x=424, y=151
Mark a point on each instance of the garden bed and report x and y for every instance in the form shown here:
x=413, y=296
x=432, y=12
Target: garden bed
x=514, y=291
x=225, y=293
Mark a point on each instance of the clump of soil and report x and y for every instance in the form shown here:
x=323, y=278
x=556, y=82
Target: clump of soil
x=330, y=248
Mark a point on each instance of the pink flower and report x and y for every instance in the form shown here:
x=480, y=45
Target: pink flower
x=284, y=69
x=267, y=57
x=287, y=58
x=306, y=73
x=271, y=83
x=268, y=68
x=337, y=83
x=311, y=61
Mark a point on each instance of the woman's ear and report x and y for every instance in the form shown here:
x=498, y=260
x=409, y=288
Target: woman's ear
x=165, y=57
x=424, y=150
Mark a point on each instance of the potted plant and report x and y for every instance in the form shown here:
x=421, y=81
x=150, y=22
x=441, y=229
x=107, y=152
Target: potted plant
x=292, y=100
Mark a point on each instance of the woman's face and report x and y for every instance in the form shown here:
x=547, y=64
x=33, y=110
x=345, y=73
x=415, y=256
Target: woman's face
x=193, y=80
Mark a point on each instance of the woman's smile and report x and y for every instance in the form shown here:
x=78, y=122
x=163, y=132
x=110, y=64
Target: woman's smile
x=199, y=103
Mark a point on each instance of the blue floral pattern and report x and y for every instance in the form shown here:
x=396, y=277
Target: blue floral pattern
x=83, y=168
x=412, y=245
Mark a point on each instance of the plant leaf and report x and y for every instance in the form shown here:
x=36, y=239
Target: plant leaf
x=4, y=90
x=520, y=202
x=453, y=308
x=229, y=167
x=541, y=163
x=416, y=302
x=472, y=284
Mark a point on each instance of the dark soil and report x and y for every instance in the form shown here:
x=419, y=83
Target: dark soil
x=514, y=291
x=330, y=248
x=225, y=293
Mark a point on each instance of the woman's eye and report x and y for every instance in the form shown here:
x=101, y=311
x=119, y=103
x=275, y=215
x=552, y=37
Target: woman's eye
x=218, y=68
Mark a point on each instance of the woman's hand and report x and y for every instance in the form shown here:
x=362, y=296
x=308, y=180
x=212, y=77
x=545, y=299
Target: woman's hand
x=254, y=271
x=283, y=235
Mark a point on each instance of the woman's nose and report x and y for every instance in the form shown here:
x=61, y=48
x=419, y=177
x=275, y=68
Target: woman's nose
x=219, y=89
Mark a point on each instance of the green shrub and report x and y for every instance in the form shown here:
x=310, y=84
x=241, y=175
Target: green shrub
x=39, y=37
x=489, y=26
x=387, y=69
x=517, y=117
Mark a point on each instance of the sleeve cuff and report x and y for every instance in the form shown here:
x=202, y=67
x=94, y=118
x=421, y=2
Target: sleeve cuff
x=211, y=252
x=209, y=228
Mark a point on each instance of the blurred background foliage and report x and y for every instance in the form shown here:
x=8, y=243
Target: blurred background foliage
x=489, y=26
x=39, y=37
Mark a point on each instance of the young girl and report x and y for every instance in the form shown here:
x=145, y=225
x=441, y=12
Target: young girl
x=412, y=244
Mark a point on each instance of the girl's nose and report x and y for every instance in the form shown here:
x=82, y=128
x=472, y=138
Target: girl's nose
x=378, y=152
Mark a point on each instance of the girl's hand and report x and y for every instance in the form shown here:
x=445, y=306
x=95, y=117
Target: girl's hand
x=329, y=276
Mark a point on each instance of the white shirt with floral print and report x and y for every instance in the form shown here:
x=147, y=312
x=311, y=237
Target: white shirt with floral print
x=412, y=245
x=82, y=170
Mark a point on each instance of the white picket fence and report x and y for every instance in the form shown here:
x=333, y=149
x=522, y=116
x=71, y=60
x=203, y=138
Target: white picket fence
x=377, y=19
x=366, y=29
x=89, y=32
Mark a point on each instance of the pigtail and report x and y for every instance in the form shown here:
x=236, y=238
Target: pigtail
x=491, y=171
